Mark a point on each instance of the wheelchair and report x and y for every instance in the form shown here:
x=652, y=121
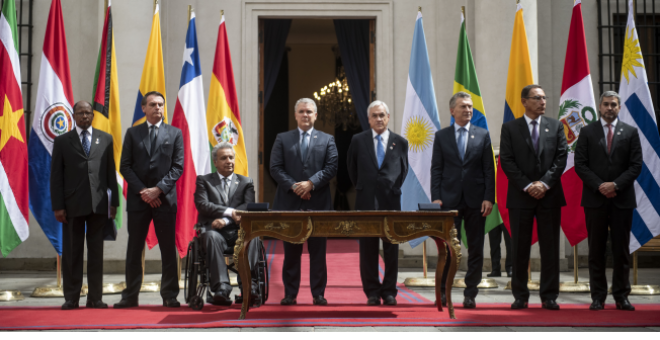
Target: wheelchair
x=197, y=280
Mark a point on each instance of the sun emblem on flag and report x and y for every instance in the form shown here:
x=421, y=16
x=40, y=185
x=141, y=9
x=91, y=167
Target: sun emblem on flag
x=225, y=131
x=419, y=133
x=631, y=53
x=56, y=120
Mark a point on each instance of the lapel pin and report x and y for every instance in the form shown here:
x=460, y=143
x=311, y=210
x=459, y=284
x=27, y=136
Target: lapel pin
x=472, y=136
x=315, y=136
x=621, y=129
x=97, y=140
x=391, y=148
x=618, y=133
x=236, y=182
x=546, y=130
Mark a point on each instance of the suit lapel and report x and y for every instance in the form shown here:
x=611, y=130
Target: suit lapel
x=600, y=134
x=75, y=142
x=469, y=141
x=93, y=146
x=144, y=135
x=162, y=133
x=453, y=145
x=544, y=130
x=232, y=188
x=312, y=141
x=616, y=134
x=217, y=185
x=524, y=130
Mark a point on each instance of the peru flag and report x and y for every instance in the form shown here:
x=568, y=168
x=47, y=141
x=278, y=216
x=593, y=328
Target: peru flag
x=577, y=108
x=189, y=116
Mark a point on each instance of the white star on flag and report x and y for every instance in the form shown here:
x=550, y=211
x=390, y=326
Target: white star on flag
x=187, y=55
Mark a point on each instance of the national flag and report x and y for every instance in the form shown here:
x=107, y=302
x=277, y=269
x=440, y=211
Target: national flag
x=153, y=79
x=465, y=79
x=53, y=117
x=107, y=116
x=519, y=76
x=223, y=119
x=14, y=203
x=420, y=122
x=637, y=110
x=576, y=110
x=189, y=117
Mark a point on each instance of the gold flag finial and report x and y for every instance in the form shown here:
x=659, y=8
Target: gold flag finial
x=419, y=8
x=222, y=12
x=517, y=2
x=189, y=13
x=155, y=3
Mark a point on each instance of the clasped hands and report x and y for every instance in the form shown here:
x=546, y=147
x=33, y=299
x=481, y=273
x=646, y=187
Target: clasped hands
x=537, y=190
x=607, y=189
x=220, y=223
x=150, y=196
x=303, y=189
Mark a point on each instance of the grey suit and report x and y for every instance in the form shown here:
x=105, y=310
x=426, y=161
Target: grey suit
x=79, y=184
x=287, y=167
x=142, y=169
x=463, y=185
x=211, y=206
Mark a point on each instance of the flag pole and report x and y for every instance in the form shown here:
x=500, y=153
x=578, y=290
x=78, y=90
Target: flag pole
x=575, y=286
x=148, y=286
x=56, y=290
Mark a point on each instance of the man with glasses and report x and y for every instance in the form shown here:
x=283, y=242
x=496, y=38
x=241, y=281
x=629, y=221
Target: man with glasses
x=302, y=162
x=82, y=173
x=533, y=154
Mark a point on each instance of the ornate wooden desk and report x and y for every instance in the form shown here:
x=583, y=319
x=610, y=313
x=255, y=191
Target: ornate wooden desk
x=392, y=226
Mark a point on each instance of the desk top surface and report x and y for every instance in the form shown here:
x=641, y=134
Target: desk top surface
x=352, y=213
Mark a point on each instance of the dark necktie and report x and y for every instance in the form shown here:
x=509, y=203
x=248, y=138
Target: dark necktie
x=609, y=138
x=461, y=142
x=152, y=138
x=225, y=190
x=304, y=146
x=381, y=151
x=85, y=142
x=535, y=137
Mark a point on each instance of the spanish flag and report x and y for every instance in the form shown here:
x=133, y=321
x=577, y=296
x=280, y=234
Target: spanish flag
x=519, y=76
x=465, y=79
x=153, y=72
x=107, y=116
x=223, y=119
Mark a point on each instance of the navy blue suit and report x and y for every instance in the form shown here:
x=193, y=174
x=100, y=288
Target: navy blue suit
x=287, y=168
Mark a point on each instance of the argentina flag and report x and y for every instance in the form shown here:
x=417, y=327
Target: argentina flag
x=420, y=122
x=637, y=110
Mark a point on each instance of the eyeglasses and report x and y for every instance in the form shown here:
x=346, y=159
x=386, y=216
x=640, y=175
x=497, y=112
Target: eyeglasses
x=538, y=98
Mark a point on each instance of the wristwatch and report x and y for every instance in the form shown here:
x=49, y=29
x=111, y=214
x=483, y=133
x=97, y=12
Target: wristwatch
x=616, y=187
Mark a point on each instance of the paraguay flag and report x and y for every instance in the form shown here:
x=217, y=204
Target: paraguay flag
x=637, y=110
x=14, y=204
x=107, y=116
x=53, y=116
x=420, y=122
x=223, y=118
x=519, y=76
x=189, y=117
x=576, y=109
x=465, y=79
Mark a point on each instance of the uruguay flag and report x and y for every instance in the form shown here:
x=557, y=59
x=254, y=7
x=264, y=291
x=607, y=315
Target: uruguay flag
x=53, y=117
x=420, y=122
x=190, y=116
x=637, y=110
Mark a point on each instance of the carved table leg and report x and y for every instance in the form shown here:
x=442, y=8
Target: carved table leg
x=241, y=261
x=455, y=251
x=439, y=269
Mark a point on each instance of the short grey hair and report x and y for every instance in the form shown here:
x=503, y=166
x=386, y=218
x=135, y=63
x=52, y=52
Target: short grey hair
x=222, y=145
x=306, y=101
x=454, y=98
x=378, y=103
x=610, y=94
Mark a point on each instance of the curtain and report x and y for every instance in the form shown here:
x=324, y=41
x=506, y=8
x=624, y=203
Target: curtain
x=275, y=34
x=353, y=39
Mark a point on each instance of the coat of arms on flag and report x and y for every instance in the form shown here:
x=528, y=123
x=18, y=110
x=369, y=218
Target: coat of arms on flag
x=225, y=131
x=56, y=120
x=574, y=115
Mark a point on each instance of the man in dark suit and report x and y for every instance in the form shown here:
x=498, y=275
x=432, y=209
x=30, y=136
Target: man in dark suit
x=82, y=173
x=217, y=197
x=608, y=159
x=463, y=179
x=151, y=163
x=533, y=154
x=302, y=162
x=377, y=165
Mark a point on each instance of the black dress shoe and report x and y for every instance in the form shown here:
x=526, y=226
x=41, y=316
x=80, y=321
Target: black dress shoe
x=443, y=299
x=519, y=304
x=320, y=301
x=623, y=304
x=468, y=302
x=69, y=305
x=373, y=301
x=550, y=304
x=96, y=304
x=171, y=302
x=509, y=273
x=495, y=274
x=288, y=301
x=596, y=305
x=221, y=298
x=389, y=300
x=126, y=304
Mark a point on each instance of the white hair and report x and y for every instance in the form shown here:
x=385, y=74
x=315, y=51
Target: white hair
x=222, y=145
x=306, y=101
x=378, y=103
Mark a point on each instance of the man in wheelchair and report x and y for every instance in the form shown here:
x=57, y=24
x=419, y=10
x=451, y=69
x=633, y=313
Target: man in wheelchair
x=217, y=197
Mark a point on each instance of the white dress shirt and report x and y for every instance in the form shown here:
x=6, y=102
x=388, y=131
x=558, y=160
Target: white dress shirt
x=606, y=130
x=89, y=135
x=385, y=136
x=228, y=212
x=149, y=125
x=538, y=133
x=458, y=134
x=309, y=135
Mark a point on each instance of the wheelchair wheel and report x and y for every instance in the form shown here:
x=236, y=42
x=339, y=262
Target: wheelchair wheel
x=262, y=273
x=190, y=283
x=196, y=303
